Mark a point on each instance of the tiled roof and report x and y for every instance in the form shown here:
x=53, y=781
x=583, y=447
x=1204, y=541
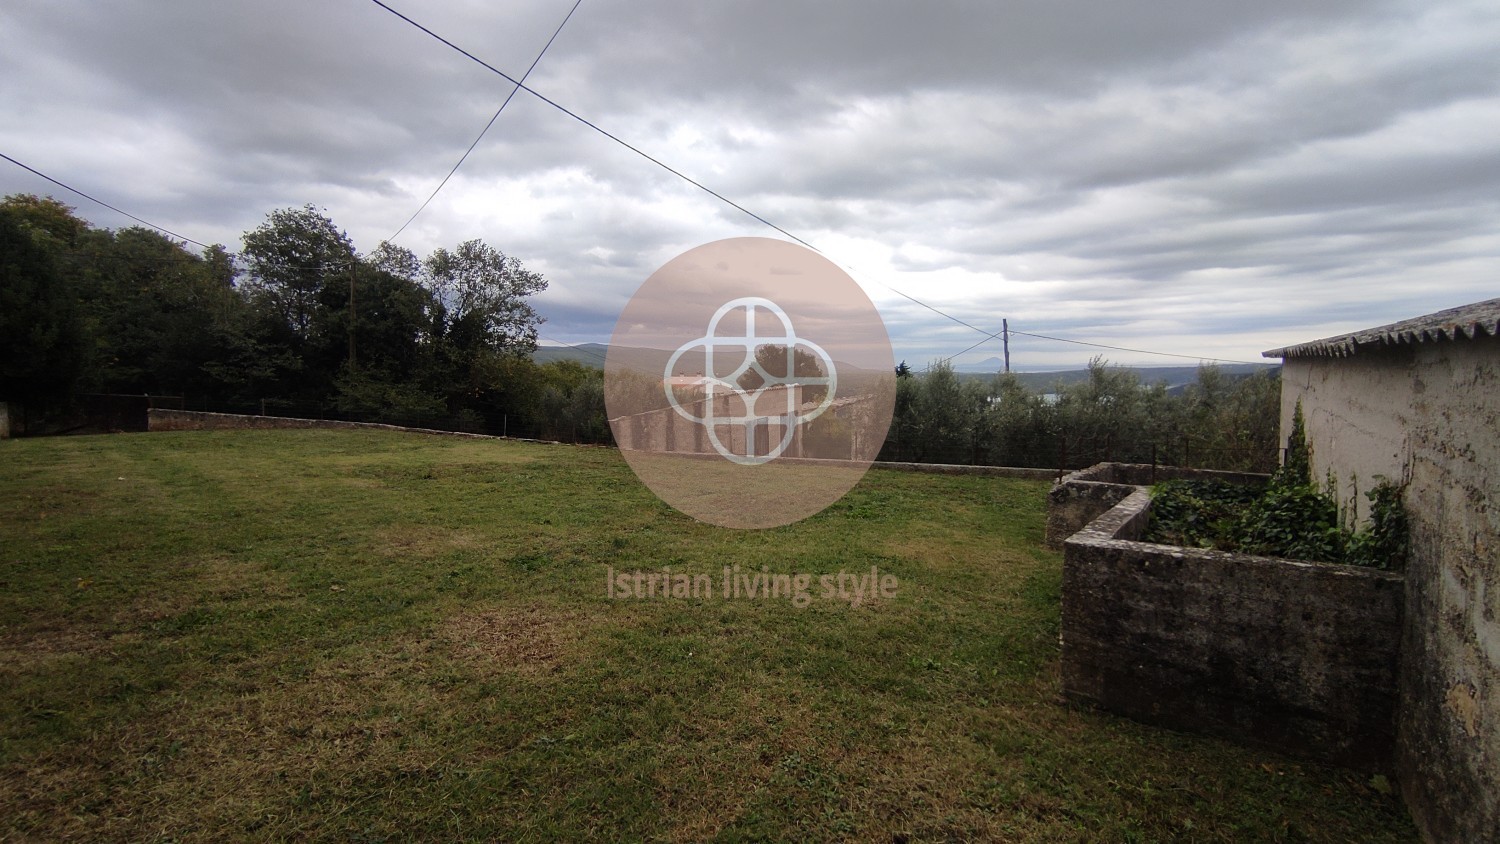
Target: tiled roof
x=1468, y=321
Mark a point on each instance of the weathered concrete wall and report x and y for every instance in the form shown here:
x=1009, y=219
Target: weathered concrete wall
x=1073, y=504
x=1298, y=656
x=1084, y=495
x=1357, y=412
x=1430, y=413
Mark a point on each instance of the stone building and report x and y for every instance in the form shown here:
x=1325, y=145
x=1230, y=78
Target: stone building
x=1418, y=402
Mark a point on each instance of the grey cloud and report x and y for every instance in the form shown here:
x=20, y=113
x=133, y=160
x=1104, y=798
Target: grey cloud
x=1091, y=170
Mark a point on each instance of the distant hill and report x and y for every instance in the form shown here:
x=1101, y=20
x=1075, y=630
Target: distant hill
x=589, y=354
x=989, y=365
x=1175, y=377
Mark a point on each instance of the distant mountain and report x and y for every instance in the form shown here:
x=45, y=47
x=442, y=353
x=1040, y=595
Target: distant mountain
x=1175, y=377
x=589, y=354
x=594, y=354
x=990, y=365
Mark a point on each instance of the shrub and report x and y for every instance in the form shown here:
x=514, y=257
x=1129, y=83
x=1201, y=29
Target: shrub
x=1293, y=521
x=1197, y=513
x=1296, y=469
x=1384, y=544
x=1297, y=522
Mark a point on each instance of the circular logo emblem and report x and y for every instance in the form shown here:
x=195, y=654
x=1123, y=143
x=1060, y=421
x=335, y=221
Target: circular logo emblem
x=749, y=383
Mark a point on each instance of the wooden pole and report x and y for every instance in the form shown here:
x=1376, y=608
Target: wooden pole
x=352, y=363
x=1005, y=340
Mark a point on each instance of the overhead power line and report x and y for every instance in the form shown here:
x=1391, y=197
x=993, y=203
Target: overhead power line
x=1136, y=351
x=997, y=335
x=521, y=86
x=493, y=118
x=97, y=201
x=1012, y=331
x=342, y=265
x=638, y=151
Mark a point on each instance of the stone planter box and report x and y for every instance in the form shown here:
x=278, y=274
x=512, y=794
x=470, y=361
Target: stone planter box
x=1298, y=656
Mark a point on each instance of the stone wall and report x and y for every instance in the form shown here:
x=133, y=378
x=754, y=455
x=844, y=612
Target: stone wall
x=1073, y=504
x=962, y=469
x=1429, y=414
x=1302, y=657
x=192, y=420
x=1084, y=495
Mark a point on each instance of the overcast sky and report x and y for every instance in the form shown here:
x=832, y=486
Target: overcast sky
x=1202, y=178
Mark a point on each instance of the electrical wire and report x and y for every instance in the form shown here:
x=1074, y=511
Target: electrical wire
x=643, y=154
x=147, y=223
x=1136, y=351
x=96, y=201
x=521, y=86
x=997, y=336
x=493, y=118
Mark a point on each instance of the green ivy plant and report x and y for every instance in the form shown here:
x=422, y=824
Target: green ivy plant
x=1296, y=469
x=1290, y=517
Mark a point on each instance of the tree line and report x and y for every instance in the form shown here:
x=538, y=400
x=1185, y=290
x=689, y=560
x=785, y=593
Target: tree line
x=299, y=320
x=1217, y=423
x=446, y=341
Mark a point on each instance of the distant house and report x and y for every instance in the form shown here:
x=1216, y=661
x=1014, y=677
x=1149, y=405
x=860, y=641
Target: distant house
x=696, y=381
x=1418, y=401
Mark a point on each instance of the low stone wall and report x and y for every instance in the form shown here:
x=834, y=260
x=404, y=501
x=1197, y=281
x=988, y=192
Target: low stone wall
x=1301, y=657
x=1073, y=504
x=1145, y=474
x=1084, y=495
x=193, y=420
x=963, y=469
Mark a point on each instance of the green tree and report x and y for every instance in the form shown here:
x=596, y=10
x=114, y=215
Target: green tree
x=944, y=417
x=292, y=257
x=1251, y=423
x=571, y=402
x=42, y=343
x=1100, y=418
x=902, y=439
x=51, y=223
x=394, y=369
x=1020, y=429
x=773, y=359
x=484, y=293
x=159, y=314
x=1296, y=469
x=396, y=260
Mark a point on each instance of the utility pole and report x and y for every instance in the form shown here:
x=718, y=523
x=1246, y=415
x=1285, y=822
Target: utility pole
x=352, y=364
x=1005, y=341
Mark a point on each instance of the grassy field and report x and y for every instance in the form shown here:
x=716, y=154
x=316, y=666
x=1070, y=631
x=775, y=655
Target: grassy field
x=277, y=635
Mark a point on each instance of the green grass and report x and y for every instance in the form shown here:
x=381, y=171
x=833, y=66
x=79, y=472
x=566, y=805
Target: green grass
x=272, y=635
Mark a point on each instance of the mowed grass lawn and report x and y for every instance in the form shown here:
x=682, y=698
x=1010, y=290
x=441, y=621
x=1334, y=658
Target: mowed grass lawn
x=367, y=636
